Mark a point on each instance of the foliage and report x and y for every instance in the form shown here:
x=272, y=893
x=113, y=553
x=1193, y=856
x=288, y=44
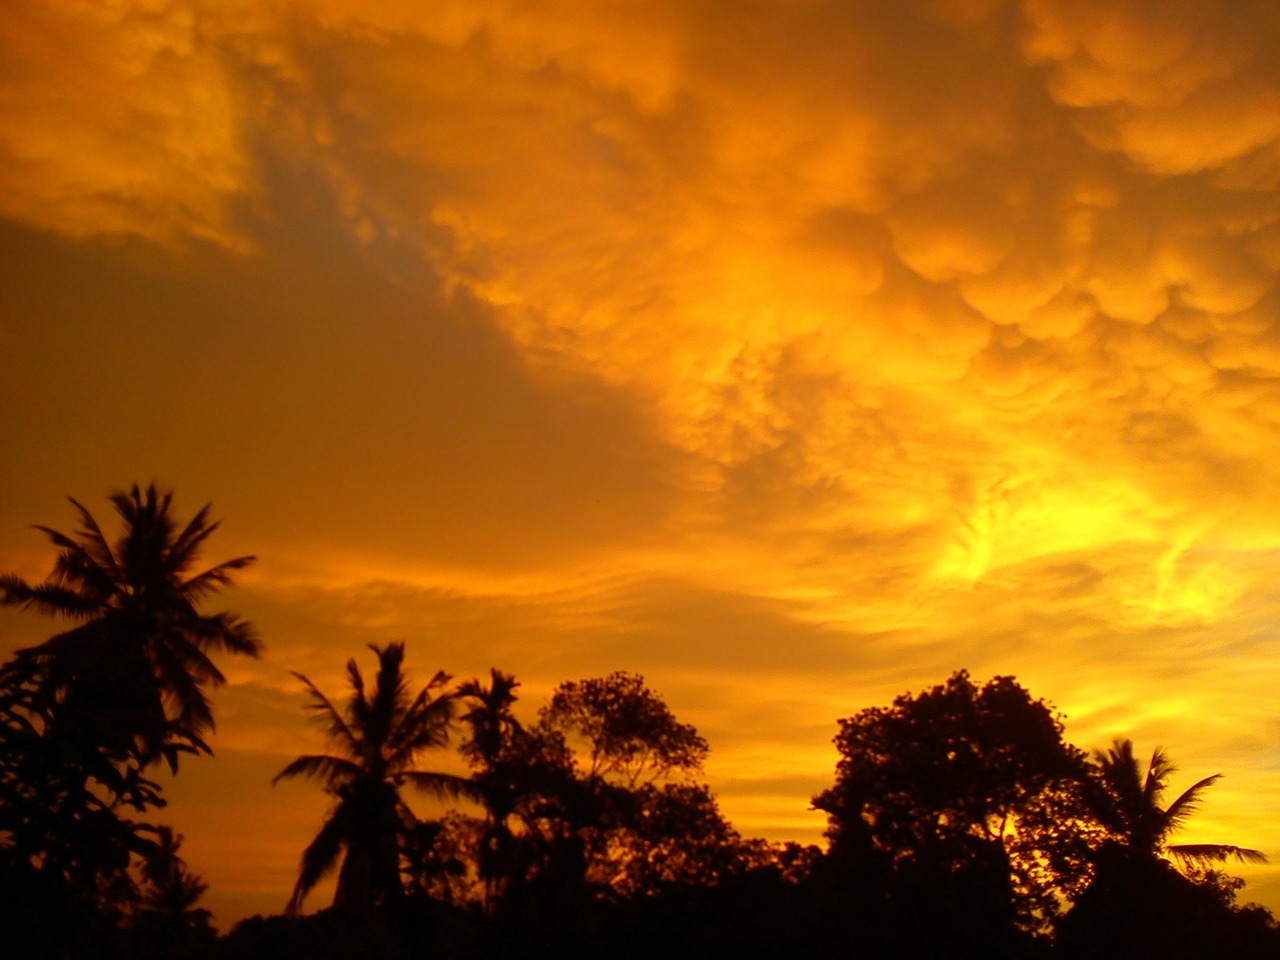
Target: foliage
x=61, y=800
x=131, y=674
x=665, y=836
x=629, y=732
x=84, y=714
x=378, y=738
x=1142, y=906
x=960, y=820
x=1127, y=803
x=490, y=719
x=607, y=820
x=948, y=787
x=442, y=858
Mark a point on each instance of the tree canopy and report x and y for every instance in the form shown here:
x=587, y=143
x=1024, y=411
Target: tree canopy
x=940, y=784
x=84, y=714
x=628, y=730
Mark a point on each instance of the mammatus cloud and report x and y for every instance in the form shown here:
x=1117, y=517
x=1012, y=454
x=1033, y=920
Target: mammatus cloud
x=795, y=353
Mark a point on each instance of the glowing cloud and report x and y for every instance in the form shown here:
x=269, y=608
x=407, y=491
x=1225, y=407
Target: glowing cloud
x=795, y=353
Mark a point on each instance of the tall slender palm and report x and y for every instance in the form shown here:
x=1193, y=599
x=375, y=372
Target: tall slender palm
x=136, y=665
x=378, y=738
x=493, y=727
x=1128, y=805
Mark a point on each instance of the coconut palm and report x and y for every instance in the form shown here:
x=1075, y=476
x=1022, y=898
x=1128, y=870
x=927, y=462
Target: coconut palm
x=134, y=669
x=1128, y=805
x=378, y=737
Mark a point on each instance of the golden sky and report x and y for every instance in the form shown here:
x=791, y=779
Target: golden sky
x=793, y=353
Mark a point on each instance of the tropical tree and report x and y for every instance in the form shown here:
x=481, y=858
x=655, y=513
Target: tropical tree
x=168, y=921
x=491, y=722
x=488, y=748
x=1137, y=903
x=131, y=675
x=938, y=797
x=1128, y=805
x=378, y=740
x=630, y=818
x=83, y=715
x=627, y=731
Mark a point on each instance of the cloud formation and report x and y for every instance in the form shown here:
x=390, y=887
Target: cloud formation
x=795, y=352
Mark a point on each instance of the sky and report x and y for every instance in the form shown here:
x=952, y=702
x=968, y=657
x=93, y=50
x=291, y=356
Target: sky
x=791, y=353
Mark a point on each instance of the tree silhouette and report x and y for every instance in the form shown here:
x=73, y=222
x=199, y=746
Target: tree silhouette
x=629, y=818
x=131, y=675
x=629, y=732
x=168, y=922
x=68, y=852
x=83, y=715
x=489, y=749
x=1137, y=903
x=932, y=792
x=378, y=739
x=1128, y=805
x=490, y=719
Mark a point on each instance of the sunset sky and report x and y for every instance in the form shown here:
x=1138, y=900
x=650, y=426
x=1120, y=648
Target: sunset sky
x=792, y=353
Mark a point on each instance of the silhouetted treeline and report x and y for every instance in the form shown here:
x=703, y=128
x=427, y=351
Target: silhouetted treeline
x=961, y=823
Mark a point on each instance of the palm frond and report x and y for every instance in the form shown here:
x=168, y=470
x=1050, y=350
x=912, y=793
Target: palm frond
x=1203, y=854
x=1159, y=770
x=328, y=717
x=324, y=767
x=180, y=682
x=214, y=578
x=357, y=704
x=1177, y=813
x=389, y=700
x=186, y=543
x=444, y=786
x=94, y=542
x=423, y=726
x=46, y=598
x=320, y=857
x=95, y=579
x=223, y=631
x=187, y=648
x=172, y=750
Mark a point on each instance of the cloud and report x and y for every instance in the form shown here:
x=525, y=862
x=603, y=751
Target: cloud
x=1177, y=87
x=795, y=353
x=119, y=121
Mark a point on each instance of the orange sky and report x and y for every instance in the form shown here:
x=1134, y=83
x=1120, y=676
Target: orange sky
x=793, y=353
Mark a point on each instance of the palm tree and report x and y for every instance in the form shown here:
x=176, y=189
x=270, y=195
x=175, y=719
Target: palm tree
x=378, y=739
x=493, y=729
x=1128, y=805
x=490, y=718
x=133, y=670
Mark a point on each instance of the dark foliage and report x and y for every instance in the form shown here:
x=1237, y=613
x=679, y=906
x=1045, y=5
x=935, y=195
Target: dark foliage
x=379, y=737
x=132, y=671
x=943, y=796
x=84, y=714
x=1143, y=907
